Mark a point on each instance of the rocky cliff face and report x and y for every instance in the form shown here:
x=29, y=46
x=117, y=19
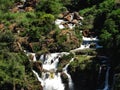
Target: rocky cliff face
x=84, y=73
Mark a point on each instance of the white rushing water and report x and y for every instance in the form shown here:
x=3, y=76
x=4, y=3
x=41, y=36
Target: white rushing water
x=70, y=82
x=53, y=80
x=39, y=79
x=99, y=73
x=87, y=45
x=90, y=39
x=31, y=56
x=54, y=83
x=51, y=61
x=107, y=79
x=50, y=79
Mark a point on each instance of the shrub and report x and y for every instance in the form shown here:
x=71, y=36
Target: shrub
x=7, y=37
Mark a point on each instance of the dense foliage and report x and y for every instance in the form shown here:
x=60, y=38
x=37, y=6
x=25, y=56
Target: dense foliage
x=30, y=25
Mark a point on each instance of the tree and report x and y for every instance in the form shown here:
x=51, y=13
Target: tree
x=5, y=5
x=49, y=6
x=12, y=71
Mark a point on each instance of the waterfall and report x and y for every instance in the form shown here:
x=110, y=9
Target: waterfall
x=99, y=74
x=39, y=79
x=53, y=83
x=31, y=56
x=50, y=79
x=51, y=61
x=70, y=82
x=107, y=79
x=100, y=71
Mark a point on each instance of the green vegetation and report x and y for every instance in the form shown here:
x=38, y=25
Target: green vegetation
x=32, y=28
x=81, y=62
x=64, y=61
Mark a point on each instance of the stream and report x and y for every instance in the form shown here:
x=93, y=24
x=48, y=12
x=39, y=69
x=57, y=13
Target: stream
x=50, y=79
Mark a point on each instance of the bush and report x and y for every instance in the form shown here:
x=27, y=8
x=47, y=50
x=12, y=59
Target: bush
x=49, y=6
x=7, y=37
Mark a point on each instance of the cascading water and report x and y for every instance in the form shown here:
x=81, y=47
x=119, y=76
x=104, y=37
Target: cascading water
x=50, y=79
x=107, y=79
x=99, y=71
x=103, y=75
x=53, y=83
x=31, y=56
x=39, y=79
x=70, y=82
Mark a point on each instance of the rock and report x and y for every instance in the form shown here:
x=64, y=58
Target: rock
x=60, y=16
x=85, y=33
x=12, y=26
x=48, y=41
x=64, y=77
x=77, y=16
x=22, y=40
x=29, y=9
x=116, y=81
x=37, y=66
x=65, y=13
x=65, y=25
x=30, y=3
x=69, y=17
x=15, y=10
x=1, y=26
x=16, y=47
x=68, y=20
x=74, y=21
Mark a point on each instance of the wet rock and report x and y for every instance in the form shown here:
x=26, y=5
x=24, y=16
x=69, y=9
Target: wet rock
x=74, y=21
x=85, y=33
x=68, y=20
x=65, y=13
x=60, y=16
x=69, y=17
x=77, y=16
x=37, y=66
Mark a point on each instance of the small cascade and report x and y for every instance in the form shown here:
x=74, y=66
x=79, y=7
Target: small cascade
x=50, y=79
x=106, y=87
x=31, y=56
x=70, y=82
x=87, y=41
x=90, y=39
x=39, y=79
x=53, y=82
x=51, y=61
x=82, y=47
x=100, y=70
